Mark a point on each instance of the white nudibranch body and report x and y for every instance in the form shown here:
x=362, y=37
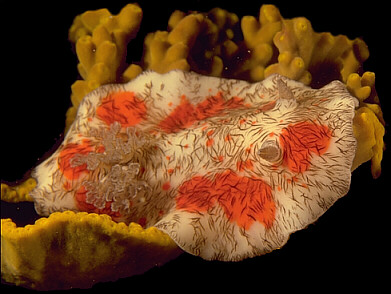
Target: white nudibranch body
x=229, y=169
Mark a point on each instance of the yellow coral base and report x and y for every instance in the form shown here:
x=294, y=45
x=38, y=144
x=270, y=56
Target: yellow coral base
x=68, y=250
x=18, y=193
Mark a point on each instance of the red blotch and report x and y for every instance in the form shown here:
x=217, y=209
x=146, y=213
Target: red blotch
x=209, y=142
x=299, y=141
x=82, y=205
x=180, y=117
x=66, y=155
x=248, y=150
x=244, y=200
x=166, y=186
x=210, y=133
x=268, y=106
x=123, y=107
x=67, y=186
x=100, y=149
x=186, y=114
x=142, y=221
x=243, y=165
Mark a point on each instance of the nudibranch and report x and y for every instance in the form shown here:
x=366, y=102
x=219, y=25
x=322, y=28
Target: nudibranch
x=228, y=169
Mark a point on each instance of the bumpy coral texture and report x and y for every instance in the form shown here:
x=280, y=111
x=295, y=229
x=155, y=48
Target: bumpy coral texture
x=69, y=250
x=18, y=193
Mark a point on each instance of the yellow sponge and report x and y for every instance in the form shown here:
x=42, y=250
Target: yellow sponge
x=258, y=37
x=369, y=133
x=202, y=42
x=304, y=53
x=77, y=249
x=19, y=193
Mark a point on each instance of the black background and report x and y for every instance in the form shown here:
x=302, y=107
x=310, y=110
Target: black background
x=347, y=247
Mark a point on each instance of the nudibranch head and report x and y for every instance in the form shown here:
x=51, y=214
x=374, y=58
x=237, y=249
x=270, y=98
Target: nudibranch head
x=229, y=169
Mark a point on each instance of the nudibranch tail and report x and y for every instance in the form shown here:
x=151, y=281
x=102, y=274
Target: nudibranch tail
x=227, y=168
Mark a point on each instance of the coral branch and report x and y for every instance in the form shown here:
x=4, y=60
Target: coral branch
x=101, y=45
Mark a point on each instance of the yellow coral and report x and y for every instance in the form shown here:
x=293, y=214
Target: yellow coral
x=364, y=89
x=198, y=41
x=304, y=54
x=18, y=193
x=295, y=44
x=369, y=133
x=290, y=66
x=261, y=31
x=368, y=122
x=58, y=252
x=361, y=87
x=258, y=38
x=101, y=41
x=162, y=56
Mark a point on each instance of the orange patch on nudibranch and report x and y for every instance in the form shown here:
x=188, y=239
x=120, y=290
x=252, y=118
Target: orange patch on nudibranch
x=67, y=186
x=122, y=107
x=66, y=155
x=82, y=205
x=242, y=121
x=166, y=186
x=209, y=142
x=245, y=165
x=299, y=141
x=243, y=199
x=268, y=106
x=210, y=133
x=186, y=114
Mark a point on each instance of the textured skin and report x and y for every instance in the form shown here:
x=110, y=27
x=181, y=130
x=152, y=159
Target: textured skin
x=227, y=168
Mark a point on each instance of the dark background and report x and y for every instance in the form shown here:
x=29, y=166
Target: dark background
x=347, y=247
